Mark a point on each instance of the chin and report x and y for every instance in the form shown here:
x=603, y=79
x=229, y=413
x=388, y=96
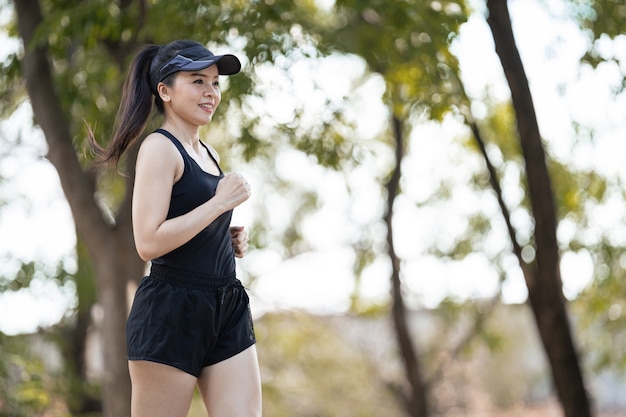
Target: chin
x=205, y=121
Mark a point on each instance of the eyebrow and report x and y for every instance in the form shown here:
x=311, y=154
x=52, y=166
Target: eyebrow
x=199, y=74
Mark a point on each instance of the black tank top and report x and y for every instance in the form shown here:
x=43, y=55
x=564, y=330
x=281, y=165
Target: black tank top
x=210, y=252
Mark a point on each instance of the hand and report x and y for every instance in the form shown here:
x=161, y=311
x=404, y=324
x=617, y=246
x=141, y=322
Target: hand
x=233, y=189
x=239, y=238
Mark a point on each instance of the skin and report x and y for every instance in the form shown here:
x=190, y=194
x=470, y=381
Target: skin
x=231, y=388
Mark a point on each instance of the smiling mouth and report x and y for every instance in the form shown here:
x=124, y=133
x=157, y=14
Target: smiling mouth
x=208, y=107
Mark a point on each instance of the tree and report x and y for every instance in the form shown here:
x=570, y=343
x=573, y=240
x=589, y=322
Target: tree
x=408, y=46
x=543, y=277
x=111, y=247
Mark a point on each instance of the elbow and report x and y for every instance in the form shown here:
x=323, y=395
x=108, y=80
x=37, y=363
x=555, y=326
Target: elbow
x=145, y=252
x=144, y=257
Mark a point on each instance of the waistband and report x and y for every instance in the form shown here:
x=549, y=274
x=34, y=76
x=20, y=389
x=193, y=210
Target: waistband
x=191, y=279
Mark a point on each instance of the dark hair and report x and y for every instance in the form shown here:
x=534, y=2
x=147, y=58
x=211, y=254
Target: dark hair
x=136, y=103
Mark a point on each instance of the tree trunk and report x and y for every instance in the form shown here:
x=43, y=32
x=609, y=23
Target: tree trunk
x=415, y=400
x=544, y=280
x=113, y=254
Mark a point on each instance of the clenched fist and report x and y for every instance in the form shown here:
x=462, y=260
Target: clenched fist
x=233, y=190
x=239, y=237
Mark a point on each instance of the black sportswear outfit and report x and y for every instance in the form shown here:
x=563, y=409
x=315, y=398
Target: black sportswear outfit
x=191, y=311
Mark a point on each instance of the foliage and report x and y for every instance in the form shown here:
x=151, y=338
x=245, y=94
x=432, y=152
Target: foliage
x=12, y=93
x=407, y=43
x=34, y=270
x=27, y=387
x=601, y=309
x=601, y=20
x=295, y=349
x=603, y=301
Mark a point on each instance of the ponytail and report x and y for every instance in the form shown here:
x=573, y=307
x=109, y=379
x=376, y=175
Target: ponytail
x=134, y=111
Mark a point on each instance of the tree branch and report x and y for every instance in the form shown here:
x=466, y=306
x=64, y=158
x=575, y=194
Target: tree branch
x=417, y=400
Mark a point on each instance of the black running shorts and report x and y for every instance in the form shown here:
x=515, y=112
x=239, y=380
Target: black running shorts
x=188, y=321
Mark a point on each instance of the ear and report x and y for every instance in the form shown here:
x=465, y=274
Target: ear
x=163, y=91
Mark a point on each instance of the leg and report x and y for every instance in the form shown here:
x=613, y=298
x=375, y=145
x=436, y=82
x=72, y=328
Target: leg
x=160, y=390
x=232, y=388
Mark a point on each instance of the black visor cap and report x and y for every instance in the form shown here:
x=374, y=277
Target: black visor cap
x=194, y=59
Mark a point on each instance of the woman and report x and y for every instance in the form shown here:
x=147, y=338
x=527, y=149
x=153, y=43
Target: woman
x=190, y=324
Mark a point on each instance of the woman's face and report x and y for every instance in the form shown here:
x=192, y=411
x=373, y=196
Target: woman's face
x=194, y=96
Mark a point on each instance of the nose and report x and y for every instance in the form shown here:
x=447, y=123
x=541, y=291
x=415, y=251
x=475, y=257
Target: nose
x=211, y=91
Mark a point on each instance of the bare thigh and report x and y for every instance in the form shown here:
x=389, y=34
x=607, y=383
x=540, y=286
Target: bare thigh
x=232, y=388
x=160, y=390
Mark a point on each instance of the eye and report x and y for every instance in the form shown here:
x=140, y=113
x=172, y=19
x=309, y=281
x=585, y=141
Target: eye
x=216, y=84
x=199, y=81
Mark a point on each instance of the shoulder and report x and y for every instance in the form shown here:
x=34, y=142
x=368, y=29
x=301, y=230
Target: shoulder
x=156, y=145
x=158, y=141
x=157, y=151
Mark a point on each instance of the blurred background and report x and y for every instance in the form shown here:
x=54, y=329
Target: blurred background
x=437, y=211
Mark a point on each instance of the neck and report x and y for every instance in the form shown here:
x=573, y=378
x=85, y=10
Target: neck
x=183, y=132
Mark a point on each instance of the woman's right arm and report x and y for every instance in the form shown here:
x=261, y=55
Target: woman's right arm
x=159, y=166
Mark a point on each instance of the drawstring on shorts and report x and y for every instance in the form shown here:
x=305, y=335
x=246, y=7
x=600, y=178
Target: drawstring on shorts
x=223, y=290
